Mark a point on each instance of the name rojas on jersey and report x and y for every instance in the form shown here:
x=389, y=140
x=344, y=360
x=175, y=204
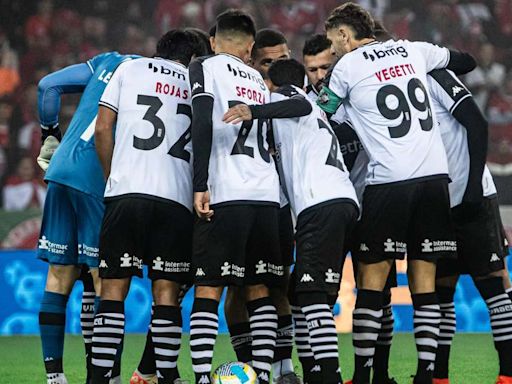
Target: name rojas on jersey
x=447, y=93
x=240, y=166
x=383, y=88
x=309, y=157
x=153, y=151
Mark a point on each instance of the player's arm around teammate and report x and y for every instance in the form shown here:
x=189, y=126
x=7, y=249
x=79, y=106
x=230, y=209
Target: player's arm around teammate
x=322, y=197
x=236, y=195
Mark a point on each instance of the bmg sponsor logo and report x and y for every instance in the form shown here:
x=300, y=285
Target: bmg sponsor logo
x=382, y=53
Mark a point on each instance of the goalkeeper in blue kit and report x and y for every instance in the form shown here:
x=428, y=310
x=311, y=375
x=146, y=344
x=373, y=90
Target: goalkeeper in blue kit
x=73, y=209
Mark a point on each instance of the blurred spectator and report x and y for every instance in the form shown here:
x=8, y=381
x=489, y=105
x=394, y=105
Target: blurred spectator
x=488, y=76
x=24, y=190
x=9, y=75
x=6, y=110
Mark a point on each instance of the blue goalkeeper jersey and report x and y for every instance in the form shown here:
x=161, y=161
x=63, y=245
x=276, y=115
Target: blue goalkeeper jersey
x=75, y=162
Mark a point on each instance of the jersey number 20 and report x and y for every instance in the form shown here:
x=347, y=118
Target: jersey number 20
x=178, y=149
x=240, y=148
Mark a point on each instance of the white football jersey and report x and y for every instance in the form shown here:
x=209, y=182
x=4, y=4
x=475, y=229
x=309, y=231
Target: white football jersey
x=447, y=93
x=240, y=167
x=152, y=150
x=310, y=157
x=383, y=88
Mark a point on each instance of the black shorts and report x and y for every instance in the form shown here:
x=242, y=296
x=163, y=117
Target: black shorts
x=352, y=242
x=320, y=238
x=410, y=218
x=140, y=230
x=286, y=235
x=481, y=244
x=239, y=246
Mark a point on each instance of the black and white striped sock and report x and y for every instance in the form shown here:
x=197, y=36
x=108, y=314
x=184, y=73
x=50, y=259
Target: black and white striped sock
x=322, y=334
x=147, y=362
x=107, y=338
x=500, y=312
x=87, y=323
x=446, y=331
x=427, y=319
x=283, y=364
x=241, y=340
x=311, y=370
x=263, y=321
x=204, y=324
x=384, y=340
x=166, y=337
x=509, y=292
x=366, y=320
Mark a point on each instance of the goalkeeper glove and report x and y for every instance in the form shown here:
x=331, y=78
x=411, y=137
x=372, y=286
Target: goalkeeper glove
x=49, y=146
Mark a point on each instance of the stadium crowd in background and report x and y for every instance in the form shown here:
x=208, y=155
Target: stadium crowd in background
x=38, y=37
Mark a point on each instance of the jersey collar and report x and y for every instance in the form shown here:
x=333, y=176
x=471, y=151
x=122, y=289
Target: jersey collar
x=230, y=55
x=172, y=61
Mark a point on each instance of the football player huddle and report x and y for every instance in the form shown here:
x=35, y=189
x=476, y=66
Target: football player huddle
x=220, y=162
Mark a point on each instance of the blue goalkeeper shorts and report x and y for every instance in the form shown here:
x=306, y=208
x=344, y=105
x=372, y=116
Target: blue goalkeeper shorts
x=70, y=230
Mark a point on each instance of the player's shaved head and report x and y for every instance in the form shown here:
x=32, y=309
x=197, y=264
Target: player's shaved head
x=178, y=45
x=287, y=72
x=269, y=46
x=234, y=34
x=235, y=22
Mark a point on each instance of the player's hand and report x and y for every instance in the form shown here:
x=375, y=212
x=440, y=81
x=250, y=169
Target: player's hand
x=237, y=114
x=48, y=148
x=202, y=205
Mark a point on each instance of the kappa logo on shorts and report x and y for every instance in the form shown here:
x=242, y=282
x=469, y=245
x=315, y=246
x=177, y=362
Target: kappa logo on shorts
x=495, y=258
x=332, y=277
x=158, y=264
x=200, y=272
x=394, y=246
x=438, y=246
x=306, y=278
x=261, y=267
x=103, y=264
x=364, y=248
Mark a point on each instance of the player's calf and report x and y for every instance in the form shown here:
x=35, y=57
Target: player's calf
x=52, y=317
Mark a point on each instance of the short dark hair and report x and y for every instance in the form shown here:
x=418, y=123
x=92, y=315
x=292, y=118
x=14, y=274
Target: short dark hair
x=212, y=30
x=353, y=15
x=235, y=20
x=316, y=44
x=287, y=72
x=203, y=41
x=268, y=38
x=380, y=32
x=177, y=45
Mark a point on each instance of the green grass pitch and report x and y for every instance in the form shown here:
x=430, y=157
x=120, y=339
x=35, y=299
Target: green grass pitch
x=474, y=359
